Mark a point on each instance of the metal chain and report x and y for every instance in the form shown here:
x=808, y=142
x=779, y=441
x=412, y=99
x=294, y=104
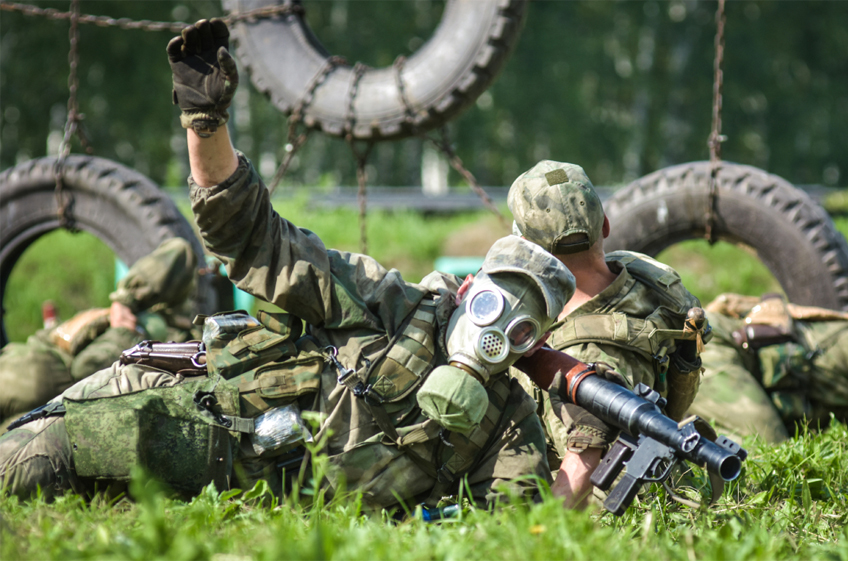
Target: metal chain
x=716, y=138
x=294, y=140
x=146, y=25
x=359, y=70
x=361, y=160
x=442, y=143
x=64, y=200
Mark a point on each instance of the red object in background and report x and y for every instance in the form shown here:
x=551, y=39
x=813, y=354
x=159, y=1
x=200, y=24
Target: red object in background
x=49, y=314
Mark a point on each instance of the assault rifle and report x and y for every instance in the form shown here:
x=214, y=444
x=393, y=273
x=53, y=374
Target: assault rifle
x=651, y=443
x=188, y=359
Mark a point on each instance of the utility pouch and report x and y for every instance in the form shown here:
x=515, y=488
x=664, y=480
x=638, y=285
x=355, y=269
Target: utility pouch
x=180, y=434
x=281, y=382
x=237, y=342
x=755, y=336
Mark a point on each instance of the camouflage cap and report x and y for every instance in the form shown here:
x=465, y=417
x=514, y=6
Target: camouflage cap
x=552, y=202
x=515, y=255
x=165, y=276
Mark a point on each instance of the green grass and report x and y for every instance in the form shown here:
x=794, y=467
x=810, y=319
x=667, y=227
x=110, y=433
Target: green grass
x=790, y=503
x=75, y=271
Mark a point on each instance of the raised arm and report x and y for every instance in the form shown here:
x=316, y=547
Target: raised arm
x=265, y=254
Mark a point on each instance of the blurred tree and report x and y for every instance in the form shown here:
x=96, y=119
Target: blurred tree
x=622, y=88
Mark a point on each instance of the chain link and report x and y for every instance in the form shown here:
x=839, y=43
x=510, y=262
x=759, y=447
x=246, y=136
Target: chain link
x=361, y=156
x=361, y=177
x=443, y=144
x=294, y=140
x=64, y=200
x=146, y=25
x=716, y=138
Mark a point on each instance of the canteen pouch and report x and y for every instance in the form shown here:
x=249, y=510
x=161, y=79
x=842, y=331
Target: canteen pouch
x=164, y=430
x=230, y=353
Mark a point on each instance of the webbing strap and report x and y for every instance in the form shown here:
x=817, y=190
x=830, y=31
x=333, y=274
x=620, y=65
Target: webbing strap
x=638, y=335
x=381, y=417
x=242, y=425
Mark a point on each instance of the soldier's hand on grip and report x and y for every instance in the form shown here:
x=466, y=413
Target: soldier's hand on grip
x=205, y=75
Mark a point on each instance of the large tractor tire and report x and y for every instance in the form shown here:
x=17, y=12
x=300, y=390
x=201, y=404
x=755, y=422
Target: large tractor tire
x=123, y=208
x=446, y=75
x=790, y=233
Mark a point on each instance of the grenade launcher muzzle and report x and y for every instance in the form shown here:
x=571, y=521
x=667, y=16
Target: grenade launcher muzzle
x=651, y=443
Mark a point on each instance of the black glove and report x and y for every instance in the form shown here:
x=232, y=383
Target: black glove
x=205, y=75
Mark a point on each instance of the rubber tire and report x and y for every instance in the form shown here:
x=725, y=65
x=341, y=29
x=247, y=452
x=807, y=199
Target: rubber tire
x=446, y=75
x=790, y=233
x=122, y=207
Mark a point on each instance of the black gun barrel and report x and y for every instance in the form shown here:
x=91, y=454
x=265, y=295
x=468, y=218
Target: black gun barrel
x=621, y=407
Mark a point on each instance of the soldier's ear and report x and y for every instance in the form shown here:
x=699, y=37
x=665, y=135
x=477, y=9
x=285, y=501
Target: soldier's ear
x=605, y=229
x=466, y=284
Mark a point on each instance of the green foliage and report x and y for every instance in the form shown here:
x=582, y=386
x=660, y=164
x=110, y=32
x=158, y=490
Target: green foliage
x=75, y=271
x=790, y=503
x=623, y=88
x=405, y=240
x=708, y=271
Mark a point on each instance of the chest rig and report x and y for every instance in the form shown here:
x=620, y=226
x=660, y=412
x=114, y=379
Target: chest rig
x=654, y=337
x=271, y=365
x=396, y=370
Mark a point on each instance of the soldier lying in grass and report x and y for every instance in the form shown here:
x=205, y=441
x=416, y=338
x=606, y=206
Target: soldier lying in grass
x=148, y=304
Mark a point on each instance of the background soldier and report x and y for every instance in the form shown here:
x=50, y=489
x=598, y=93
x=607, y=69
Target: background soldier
x=620, y=299
x=148, y=304
x=410, y=383
x=772, y=365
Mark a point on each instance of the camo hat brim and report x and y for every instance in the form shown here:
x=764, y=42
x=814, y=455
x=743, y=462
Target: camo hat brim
x=512, y=254
x=552, y=202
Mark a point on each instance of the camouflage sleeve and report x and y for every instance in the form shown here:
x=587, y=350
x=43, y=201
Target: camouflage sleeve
x=275, y=261
x=103, y=351
x=165, y=276
x=574, y=429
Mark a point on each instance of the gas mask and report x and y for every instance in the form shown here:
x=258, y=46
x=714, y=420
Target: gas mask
x=512, y=302
x=495, y=324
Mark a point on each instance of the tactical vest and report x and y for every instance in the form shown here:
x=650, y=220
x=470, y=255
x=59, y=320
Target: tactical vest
x=652, y=337
x=271, y=366
x=259, y=368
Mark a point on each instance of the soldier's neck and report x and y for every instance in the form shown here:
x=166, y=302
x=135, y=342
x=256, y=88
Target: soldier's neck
x=592, y=278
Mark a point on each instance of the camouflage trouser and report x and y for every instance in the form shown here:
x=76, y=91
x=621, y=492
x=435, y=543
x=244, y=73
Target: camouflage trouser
x=732, y=399
x=31, y=374
x=39, y=454
x=746, y=395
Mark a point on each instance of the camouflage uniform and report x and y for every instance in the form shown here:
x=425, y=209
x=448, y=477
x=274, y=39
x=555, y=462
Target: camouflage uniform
x=555, y=206
x=766, y=391
x=388, y=332
x=155, y=289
